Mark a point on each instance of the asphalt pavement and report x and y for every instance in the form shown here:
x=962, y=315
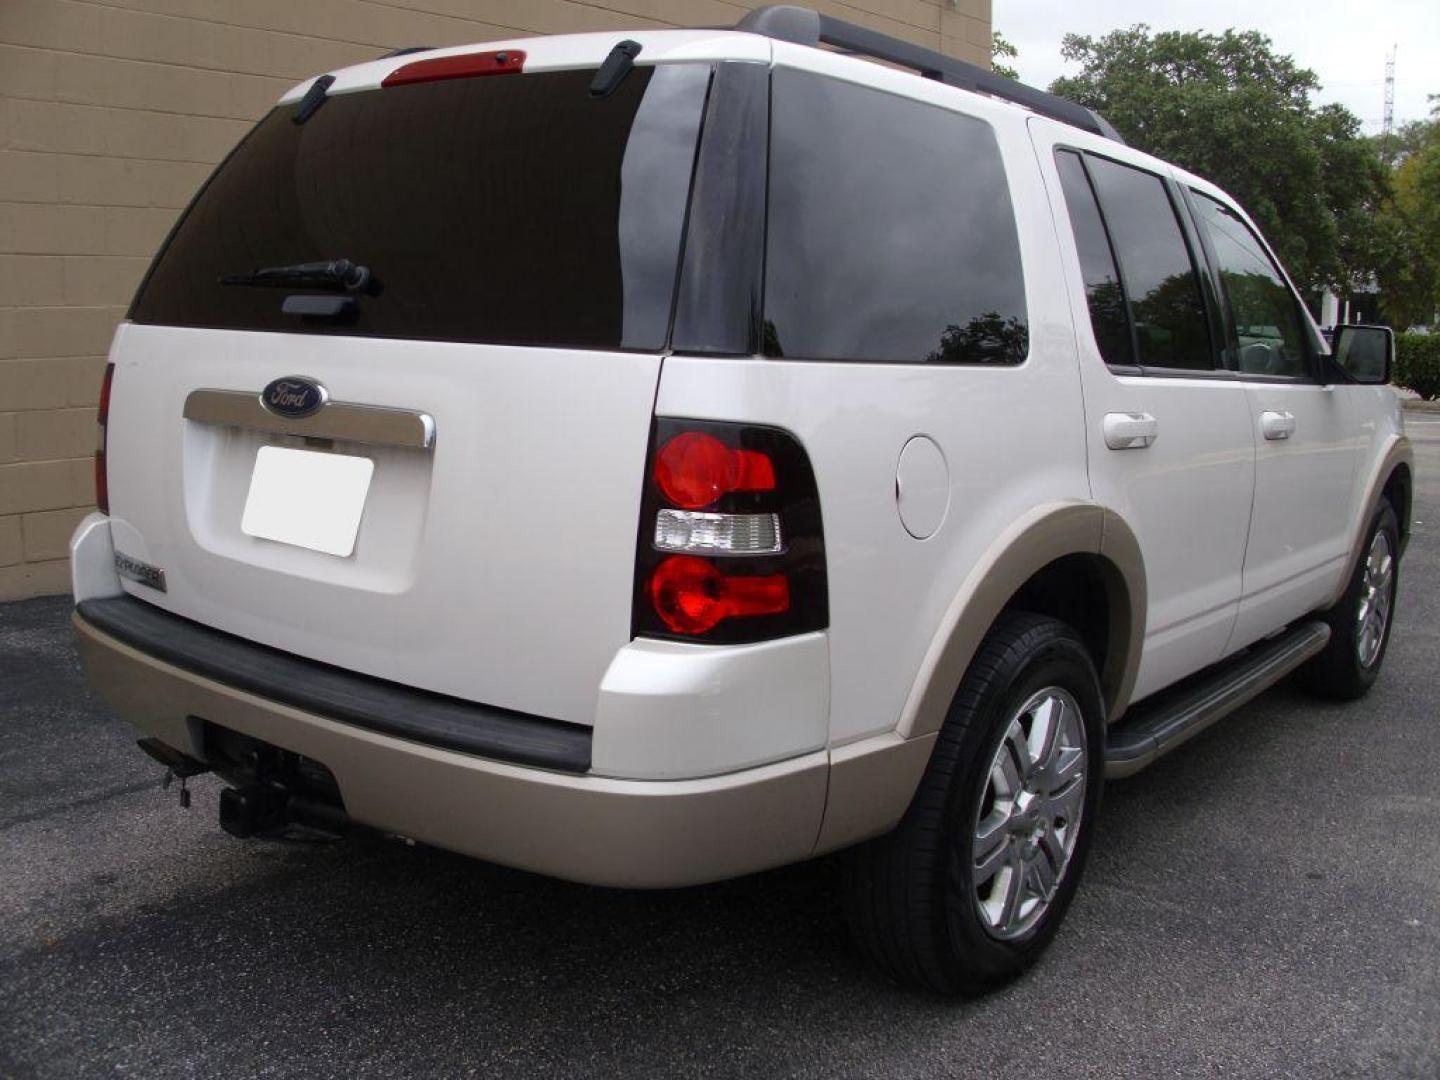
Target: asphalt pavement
x=1264, y=902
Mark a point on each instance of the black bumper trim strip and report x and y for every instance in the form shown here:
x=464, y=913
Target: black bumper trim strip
x=337, y=694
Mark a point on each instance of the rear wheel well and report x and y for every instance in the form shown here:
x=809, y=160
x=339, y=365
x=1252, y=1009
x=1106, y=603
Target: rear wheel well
x=1086, y=593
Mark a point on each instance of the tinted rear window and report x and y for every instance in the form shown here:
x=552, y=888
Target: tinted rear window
x=1109, y=316
x=1166, y=306
x=891, y=232
x=514, y=209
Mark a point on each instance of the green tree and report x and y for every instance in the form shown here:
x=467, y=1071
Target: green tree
x=1407, y=229
x=1231, y=109
x=1000, y=51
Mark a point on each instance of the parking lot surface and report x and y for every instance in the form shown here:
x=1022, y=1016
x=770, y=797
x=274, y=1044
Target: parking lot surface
x=1264, y=902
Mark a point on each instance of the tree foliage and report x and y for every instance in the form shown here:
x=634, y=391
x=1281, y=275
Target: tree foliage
x=1002, y=50
x=1231, y=109
x=1408, y=226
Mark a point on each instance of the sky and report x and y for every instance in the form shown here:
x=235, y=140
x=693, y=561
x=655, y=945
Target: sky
x=1343, y=42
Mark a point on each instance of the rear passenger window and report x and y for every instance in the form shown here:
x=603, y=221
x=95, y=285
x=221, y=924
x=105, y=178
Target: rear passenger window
x=1171, y=329
x=891, y=232
x=1108, y=316
x=1264, y=310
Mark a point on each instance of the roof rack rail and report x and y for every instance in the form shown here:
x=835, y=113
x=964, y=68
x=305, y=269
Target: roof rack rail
x=406, y=51
x=803, y=26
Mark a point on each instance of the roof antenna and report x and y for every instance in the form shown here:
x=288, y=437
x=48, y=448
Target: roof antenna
x=613, y=71
x=313, y=99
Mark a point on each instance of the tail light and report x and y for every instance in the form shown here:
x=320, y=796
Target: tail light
x=102, y=419
x=731, y=547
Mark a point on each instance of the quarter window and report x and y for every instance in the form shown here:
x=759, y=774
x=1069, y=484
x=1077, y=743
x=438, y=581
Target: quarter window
x=891, y=232
x=1265, y=313
x=1166, y=305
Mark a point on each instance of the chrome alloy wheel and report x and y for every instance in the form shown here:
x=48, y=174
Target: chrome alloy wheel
x=1029, y=813
x=1377, y=592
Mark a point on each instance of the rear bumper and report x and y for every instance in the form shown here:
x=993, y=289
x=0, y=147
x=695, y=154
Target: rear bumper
x=348, y=696
x=598, y=830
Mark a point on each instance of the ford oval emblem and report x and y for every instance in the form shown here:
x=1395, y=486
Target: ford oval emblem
x=293, y=396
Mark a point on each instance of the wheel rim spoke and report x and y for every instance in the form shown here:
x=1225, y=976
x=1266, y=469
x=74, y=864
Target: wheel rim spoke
x=1017, y=747
x=1045, y=730
x=992, y=847
x=1066, y=805
x=1005, y=773
x=1044, y=874
x=1069, y=764
x=1014, y=892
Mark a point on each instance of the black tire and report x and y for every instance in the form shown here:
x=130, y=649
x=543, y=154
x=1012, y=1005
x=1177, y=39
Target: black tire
x=910, y=895
x=1336, y=672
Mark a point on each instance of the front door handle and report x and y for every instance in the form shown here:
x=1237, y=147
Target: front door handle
x=1130, y=430
x=1277, y=425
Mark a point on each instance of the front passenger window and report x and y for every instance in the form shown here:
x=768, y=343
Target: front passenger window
x=1264, y=310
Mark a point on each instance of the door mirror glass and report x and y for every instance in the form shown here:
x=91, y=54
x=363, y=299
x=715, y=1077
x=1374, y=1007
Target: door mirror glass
x=1365, y=352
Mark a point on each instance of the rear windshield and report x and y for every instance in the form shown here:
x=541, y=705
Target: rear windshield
x=513, y=209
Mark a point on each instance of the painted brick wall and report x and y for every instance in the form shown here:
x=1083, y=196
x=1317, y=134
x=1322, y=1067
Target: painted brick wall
x=112, y=112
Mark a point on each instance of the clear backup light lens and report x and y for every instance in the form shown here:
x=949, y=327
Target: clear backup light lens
x=718, y=534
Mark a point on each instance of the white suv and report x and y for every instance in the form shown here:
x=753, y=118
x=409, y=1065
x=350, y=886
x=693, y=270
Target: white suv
x=649, y=461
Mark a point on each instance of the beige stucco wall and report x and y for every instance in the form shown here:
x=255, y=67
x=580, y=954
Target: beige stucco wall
x=112, y=112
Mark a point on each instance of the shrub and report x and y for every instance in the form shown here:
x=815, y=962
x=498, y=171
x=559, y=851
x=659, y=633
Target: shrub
x=1417, y=364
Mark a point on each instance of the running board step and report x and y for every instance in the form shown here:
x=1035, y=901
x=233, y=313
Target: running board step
x=1159, y=725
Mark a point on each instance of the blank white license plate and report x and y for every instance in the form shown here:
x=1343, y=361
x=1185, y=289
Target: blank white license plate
x=307, y=498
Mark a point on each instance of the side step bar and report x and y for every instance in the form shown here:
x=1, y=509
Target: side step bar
x=1161, y=724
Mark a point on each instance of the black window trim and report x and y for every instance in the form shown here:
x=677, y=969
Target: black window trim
x=1312, y=374
x=1132, y=368
x=1208, y=271
x=1172, y=192
x=732, y=113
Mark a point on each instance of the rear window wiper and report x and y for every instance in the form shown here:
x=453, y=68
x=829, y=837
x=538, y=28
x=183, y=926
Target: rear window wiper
x=335, y=274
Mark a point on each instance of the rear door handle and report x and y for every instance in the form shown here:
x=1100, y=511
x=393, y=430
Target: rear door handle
x=1130, y=430
x=1277, y=425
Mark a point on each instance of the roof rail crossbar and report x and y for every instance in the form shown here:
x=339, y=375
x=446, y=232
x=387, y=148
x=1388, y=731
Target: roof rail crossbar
x=804, y=26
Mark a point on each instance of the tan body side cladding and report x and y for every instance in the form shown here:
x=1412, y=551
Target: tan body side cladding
x=1398, y=453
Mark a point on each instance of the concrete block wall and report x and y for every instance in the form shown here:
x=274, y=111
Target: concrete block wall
x=112, y=112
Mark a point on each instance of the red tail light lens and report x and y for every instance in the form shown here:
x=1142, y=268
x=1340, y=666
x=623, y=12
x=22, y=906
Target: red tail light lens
x=466, y=66
x=102, y=419
x=750, y=565
x=691, y=595
x=695, y=470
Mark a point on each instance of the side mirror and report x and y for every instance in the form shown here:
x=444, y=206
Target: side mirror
x=1365, y=353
